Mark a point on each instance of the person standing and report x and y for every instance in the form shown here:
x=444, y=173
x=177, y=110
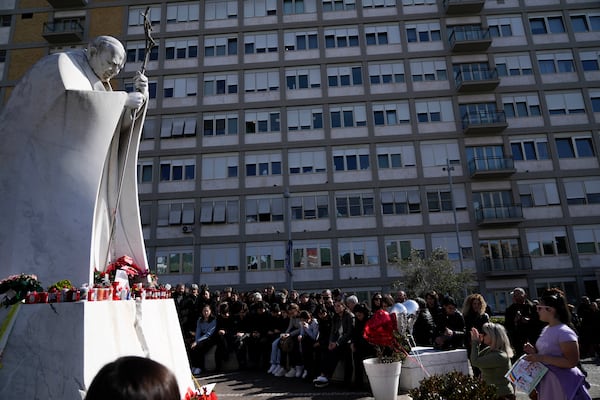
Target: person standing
x=475, y=316
x=557, y=349
x=449, y=327
x=493, y=358
x=521, y=321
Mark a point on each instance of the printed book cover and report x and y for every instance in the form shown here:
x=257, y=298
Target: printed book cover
x=526, y=375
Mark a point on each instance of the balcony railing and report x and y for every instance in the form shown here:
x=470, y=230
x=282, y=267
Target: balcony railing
x=463, y=6
x=491, y=166
x=484, y=122
x=506, y=266
x=63, y=31
x=469, y=38
x=510, y=214
x=480, y=81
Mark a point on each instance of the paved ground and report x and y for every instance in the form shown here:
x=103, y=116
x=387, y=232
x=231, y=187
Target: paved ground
x=258, y=385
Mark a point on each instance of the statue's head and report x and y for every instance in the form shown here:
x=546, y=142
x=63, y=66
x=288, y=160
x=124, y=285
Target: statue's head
x=106, y=56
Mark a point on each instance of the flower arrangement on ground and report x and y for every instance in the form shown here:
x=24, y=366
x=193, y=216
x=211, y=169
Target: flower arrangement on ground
x=16, y=287
x=387, y=333
x=453, y=386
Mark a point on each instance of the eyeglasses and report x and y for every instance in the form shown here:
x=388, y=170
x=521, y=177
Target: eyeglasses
x=545, y=308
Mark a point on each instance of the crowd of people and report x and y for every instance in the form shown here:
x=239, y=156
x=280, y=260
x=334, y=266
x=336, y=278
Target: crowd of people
x=306, y=335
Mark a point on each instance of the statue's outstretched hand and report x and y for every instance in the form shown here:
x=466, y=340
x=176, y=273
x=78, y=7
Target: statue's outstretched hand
x=136, y=99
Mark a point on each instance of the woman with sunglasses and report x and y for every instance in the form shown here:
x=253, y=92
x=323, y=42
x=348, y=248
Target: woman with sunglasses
x=557, y=349
x=493, y=358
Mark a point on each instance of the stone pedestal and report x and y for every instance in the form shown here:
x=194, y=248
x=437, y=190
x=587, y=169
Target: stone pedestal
x=435, y=362
x=54, y=350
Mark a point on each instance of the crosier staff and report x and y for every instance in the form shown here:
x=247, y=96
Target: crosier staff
x=150, y=43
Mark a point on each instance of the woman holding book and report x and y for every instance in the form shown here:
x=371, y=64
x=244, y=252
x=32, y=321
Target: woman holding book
x=557, y=349
x=493, y=359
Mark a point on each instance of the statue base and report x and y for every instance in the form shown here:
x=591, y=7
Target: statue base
x=52, y=351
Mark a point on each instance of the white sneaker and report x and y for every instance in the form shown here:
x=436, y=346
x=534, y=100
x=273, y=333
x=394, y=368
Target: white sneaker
x=291, y=373
x=305, y=374
x=321, y=381
x=279, y=372
x=299, y=371
x=272, y=369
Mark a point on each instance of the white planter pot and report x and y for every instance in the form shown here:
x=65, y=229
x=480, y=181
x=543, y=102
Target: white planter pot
x=383, y=378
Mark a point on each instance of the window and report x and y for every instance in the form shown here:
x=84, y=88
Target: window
x=299, y=7
x=482, y=113
x=182, y=12
x=351, y=160
x=514, y=65
x=529, y=149
x=378, y=3
x=358, y=251
x=521, y=106
x=423, y=32
x=149, y=128
x=260, y=43
x=574, y=147
x=308, y=161
x=587, y=239
x=219, y=166
x=262, y=121
x=181, y=49
x=354, y=205
x=259, y=8
x=390, y=114
x=493, y=205
x=219, y=84
x=449, y=242
x=500, y=253
x=554, y=63
x=399, y=249
x=152, y=85
x=391, y=156
x=264, y=209
x=344, y=76
x=178, y=126
x=309, y=207
x=487, y=158
x=434, y=111
x=177, y=170
x=183, y=86
x=303, y=78
x=430, y=70
x=261, y=81
x=300, y=40
x=439, y=200
x=546, y=25
x=263, y=164
x=349, y=116
x=565, y=103
x=400, y=202
x=213, y=212
x=220, y=46
x=220, y=9
x=472, y=72
x=218, y=124
x=386, y=73
x=538, y=194
x=144, y=172
x=590, y=60
x=136, y=52
x=583, y=191
x=544, y=242
x=219, y=258
x=595, y=99
x=5, y=20
x=341, y=37
x=176, y=213
x=304, y=119
x=338, y=5
x=265, y=256
x=311, y=254
x=505, y=26
x=585, y=23
x=382, y=35
x=406, y=3
x=439, y=153
x=136, y=17
x=175, y=262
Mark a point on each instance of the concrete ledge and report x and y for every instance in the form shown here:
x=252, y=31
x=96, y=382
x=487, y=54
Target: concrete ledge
x=434, y=362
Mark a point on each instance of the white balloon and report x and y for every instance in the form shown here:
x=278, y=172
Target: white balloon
x=398, y=308
x=412, y=307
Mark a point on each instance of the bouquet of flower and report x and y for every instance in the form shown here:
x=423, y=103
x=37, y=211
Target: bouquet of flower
x=126, y=264
x=205, y=392
x=387, y=333
x=16, y=287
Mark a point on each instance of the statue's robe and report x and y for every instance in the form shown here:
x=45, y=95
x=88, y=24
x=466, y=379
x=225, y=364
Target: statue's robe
x=65, y=150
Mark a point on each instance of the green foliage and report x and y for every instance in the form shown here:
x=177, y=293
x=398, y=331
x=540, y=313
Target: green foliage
x=497, y=319
x=436, y=272
x=453, y=386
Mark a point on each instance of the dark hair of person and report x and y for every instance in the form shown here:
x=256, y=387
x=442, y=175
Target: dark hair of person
x=305, y=315
x=555, y=298
x=134, y=378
